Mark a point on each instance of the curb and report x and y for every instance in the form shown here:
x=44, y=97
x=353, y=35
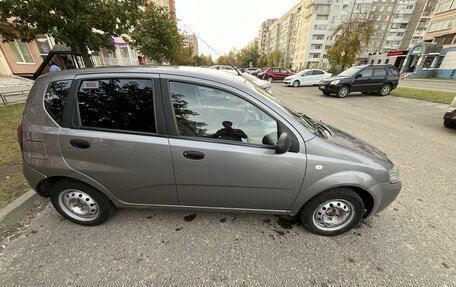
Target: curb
x=15, y=211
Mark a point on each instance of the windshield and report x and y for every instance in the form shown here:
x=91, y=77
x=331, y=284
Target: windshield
x=350, y=72
x=305, y=122
x=302, y=72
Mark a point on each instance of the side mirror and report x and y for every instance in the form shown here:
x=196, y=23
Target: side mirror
x=358, y=76
x=284, y=143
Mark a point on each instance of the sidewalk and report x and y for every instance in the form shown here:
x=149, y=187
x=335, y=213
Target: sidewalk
x=426, y=84
x=14, y=89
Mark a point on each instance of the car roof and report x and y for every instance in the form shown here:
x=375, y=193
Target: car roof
x=195, y=72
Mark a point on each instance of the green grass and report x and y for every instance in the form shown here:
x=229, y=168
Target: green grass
x=13, y=185
x=11, y=188
x=428, y=95
x=10, y=116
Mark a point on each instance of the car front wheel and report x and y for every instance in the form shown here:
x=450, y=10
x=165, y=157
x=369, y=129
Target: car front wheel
x=333, y=212
x=343, y=92
x=384, y=90
x=80, y=203
x=449, y=123
x=296, y=84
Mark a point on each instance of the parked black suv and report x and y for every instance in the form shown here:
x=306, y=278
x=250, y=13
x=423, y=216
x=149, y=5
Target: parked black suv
x=379, y=79
x=449, y=119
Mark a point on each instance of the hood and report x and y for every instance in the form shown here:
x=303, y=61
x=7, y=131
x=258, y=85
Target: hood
x=327, y=80
x=290, y=77
x=343, y=139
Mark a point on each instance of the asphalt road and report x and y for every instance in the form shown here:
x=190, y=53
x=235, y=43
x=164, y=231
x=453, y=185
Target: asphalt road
x=440, y=85
x=411, y=243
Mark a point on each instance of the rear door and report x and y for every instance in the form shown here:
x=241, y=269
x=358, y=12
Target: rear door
x=223, y=148
x=116, y=137
x=378, y=78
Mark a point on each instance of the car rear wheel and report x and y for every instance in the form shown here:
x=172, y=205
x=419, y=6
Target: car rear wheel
x=296, y=84
x=384, y=90
x=270, y=79
x=449, y=123
x=343, y=92
x=333, y=212
x=80, y=203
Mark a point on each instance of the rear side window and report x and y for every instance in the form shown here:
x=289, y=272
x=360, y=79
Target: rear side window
x=393, y=71
x=379, y=72
x=117, y=104
x=318, y=72
x=55, y=98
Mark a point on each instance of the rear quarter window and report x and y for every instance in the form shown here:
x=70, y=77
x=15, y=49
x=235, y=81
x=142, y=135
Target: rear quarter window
x=55, y=99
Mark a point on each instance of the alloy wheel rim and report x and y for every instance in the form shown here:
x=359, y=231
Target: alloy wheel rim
x=78, y=205
x=343, y=92
x=385, y=90
x=296, y=83
x=333, y=215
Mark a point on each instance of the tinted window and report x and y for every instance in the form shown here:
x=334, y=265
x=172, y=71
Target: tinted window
x=394, y=71
x=207, y=112
x=318, y=72
x=120, y=104
x=55, y=99
x=276, y=70
x=366, y=73
x=379, y=72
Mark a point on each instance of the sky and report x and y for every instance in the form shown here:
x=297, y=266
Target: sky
x=227, y=24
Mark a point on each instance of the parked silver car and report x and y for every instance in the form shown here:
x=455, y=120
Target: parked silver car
x=177, y=137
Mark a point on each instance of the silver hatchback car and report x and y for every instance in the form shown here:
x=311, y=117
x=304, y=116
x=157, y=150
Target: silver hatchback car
x=192, y=138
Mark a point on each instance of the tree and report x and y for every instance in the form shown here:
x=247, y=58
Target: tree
x=274, y=58
x=156, y=36
x=80, y=24
x=248, y=55
x=351, y=37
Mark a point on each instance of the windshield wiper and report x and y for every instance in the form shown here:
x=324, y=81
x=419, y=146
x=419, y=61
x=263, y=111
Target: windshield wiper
x=319, y=126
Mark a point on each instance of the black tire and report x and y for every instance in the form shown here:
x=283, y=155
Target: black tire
x=384, y=90
x=345, y=201
x=449, y=123
x=81, y=193
x=343, y=92
x=326, y=93
x=296, y=84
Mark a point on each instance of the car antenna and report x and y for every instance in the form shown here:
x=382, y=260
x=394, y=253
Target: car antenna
x=210, y=47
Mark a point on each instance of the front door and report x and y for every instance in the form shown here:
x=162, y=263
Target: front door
x=114, y=139
x=362, y=81
x=224, y=151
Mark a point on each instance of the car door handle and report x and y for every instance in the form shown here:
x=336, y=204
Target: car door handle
x=77, y=143
x=190, y=154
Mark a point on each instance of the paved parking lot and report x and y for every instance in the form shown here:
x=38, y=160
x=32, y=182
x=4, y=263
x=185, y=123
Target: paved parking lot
x=412, y=243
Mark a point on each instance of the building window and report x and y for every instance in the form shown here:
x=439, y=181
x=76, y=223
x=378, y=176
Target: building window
x=318, y=37
x=21, y=52
x=322, y=17
x=320, y=27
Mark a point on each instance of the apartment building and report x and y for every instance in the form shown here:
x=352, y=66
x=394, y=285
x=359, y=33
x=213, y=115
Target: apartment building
x=191, y=41
x=442, y=27
x=418, y=23
x=263, y=36
x=169, y=4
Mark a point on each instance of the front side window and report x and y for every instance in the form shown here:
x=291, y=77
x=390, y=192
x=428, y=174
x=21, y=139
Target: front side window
x=207, y=112
x=117, y=104
x=55, y=99
x=366, y=73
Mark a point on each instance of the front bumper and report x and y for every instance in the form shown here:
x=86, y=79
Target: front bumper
x=384, y=194
x=328, y=88
x=450, y=116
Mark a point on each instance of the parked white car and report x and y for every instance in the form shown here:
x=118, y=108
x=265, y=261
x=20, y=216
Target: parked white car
x=224, y=68
x=307, y=77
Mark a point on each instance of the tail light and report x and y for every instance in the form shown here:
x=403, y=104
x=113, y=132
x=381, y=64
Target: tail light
x=19, y=134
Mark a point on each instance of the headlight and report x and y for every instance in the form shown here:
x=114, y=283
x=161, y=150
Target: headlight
x=450, y=109
x=394, y=175
x=335, y=82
